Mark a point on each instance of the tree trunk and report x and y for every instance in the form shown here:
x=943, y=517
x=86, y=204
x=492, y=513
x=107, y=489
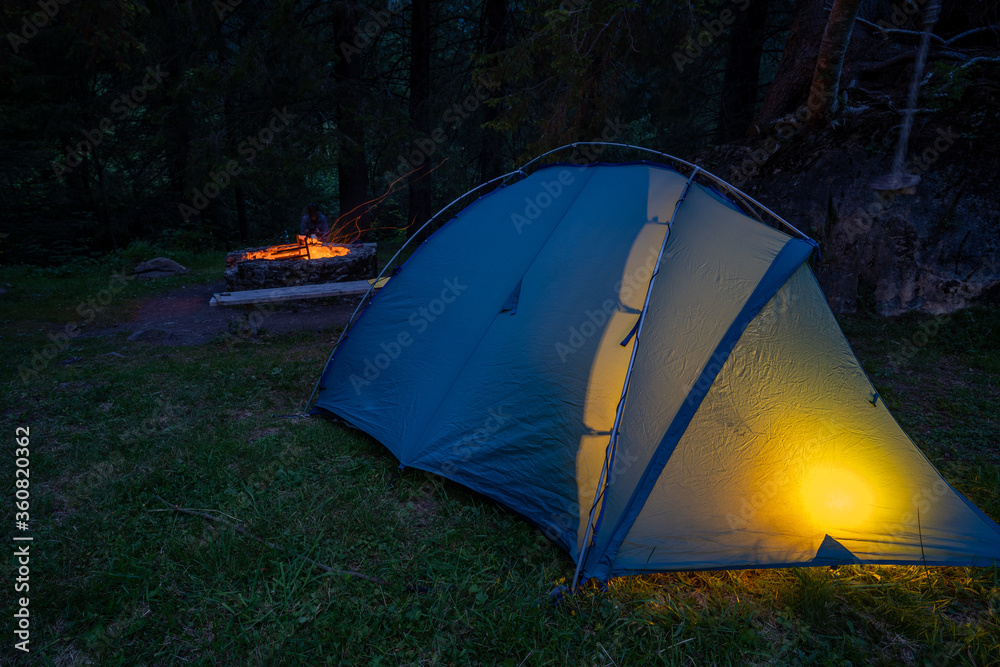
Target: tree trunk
x=420, y=93
x=742, y=76
x=830, y=60
x=352, y=166
x=790, y=87
x=494, y=41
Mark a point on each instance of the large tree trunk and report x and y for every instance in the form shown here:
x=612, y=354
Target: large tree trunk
x=420, y=93
x=494, y=41
x=352, y=166
x=742, y=76
x=790, y=87
x=830, y=60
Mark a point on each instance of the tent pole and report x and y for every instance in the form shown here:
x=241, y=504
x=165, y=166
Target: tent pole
x=695, y=170
x=731, y=188
x=620, y=410
x=365, y=298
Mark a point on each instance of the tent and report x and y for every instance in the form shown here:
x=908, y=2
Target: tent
x=629, y=356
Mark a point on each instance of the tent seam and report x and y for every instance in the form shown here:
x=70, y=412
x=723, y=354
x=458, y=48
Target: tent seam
x=593, y=526
x=755, y=302
x=489, y=325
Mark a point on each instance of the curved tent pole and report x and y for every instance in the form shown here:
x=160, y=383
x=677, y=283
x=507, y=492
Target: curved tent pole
x=620, y=410
x=364, y=299
x=742, y=196
x=606, y=143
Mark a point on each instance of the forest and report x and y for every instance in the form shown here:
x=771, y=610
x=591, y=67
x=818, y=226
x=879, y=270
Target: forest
x=212, y=124
x=174, y=495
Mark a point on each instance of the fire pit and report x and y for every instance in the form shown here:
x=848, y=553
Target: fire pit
x=307, y=262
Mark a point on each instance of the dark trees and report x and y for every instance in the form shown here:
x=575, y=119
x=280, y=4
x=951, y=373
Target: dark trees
x=495, y=27
x=434, y=96
x=798, y=62
x=830, y=60
x=742, y=72
x=420, y=116
x=352, y=165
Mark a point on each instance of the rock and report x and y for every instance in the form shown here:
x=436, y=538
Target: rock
x=160, y=267
x=359, y=264
x=933, y=248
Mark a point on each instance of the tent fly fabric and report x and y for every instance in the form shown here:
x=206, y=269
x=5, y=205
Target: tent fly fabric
x=653, y=377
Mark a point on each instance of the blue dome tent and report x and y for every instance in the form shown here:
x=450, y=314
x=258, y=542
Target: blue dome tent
x=638, y=359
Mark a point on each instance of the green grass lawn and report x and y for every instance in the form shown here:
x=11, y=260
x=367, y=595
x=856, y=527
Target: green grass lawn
x=118, y=578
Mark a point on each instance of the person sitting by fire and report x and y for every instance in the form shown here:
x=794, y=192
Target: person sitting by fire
x=314, y=224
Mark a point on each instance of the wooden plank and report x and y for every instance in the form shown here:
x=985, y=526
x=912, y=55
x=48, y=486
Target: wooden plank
x=350, y=288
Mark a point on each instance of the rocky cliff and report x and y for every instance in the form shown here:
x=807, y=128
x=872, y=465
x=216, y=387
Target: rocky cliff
x=933, y=248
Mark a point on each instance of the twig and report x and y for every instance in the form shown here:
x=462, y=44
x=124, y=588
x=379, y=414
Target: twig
x=974, y=31
x=277, y=547
x=685, y=641
x=906, y=57
x=917, y=33
x=896, y=31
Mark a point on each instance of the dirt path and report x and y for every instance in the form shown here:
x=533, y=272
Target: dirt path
x=183, y=317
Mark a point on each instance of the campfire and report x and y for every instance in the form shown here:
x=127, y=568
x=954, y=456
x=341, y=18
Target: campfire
x=307, y=262
x=305, y=248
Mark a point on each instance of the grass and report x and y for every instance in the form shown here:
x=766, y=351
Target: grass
x=119, y=579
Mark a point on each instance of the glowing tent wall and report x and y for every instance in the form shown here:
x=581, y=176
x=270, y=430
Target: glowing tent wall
x=497, y=355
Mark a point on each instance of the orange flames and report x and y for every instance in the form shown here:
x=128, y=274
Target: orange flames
x=306, y=248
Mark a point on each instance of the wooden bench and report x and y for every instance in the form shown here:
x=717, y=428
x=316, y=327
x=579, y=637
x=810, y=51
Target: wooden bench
x=350, y=288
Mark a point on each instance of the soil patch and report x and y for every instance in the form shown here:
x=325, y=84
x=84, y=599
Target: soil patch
x=183, y=317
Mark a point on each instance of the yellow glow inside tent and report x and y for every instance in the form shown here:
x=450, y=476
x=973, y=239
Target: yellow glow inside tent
x=837, y=497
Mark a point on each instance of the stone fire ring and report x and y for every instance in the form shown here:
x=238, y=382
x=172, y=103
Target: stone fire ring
x=359, y=264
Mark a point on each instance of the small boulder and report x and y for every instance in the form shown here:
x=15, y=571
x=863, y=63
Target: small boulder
x=159, y=268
